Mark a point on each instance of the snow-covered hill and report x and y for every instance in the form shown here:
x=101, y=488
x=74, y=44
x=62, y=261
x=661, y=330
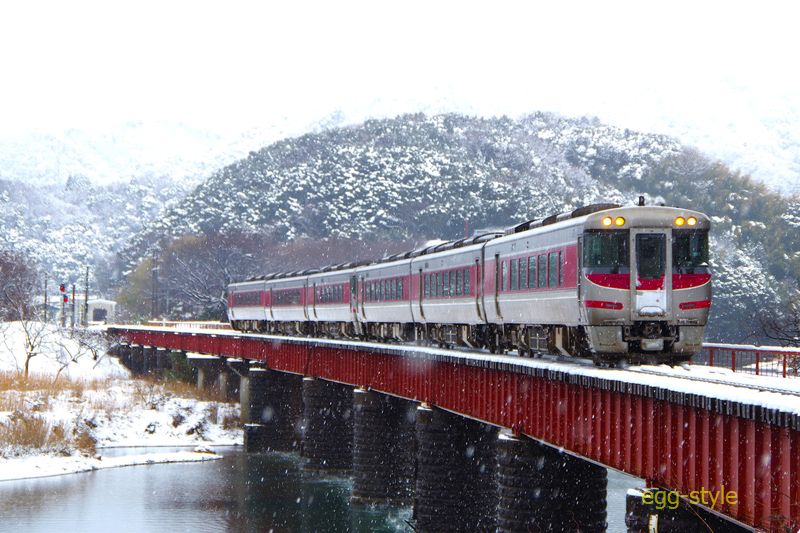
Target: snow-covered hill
x=65, y=227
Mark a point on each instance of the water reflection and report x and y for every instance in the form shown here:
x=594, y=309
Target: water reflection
x=240, y=493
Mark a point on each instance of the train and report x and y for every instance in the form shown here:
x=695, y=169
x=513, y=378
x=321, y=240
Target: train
x=607, y=282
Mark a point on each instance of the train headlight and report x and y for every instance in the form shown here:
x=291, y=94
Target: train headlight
x=680, y=221
x=619, y=221
x=607, y=221
x=691, y=221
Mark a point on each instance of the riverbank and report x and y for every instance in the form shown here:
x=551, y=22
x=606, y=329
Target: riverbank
x=61, y=417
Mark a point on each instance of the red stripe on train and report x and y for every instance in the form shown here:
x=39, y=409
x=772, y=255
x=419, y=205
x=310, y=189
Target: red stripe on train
x=599, y=304
x=686, y=281
x=701, y=304
x=612, y=281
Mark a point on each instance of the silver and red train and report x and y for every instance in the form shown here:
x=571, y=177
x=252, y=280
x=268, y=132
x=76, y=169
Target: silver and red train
x=603, y=281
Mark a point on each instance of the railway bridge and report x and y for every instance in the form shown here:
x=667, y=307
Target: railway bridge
x=482, y=442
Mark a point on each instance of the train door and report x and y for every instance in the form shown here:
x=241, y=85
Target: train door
x=314, y=299
x=271, y=299
x=304, y=299
x=421, y=294
x=650, y=284
x=498, y=282
x=363, y=299
x=353, y=295
x=582, y=318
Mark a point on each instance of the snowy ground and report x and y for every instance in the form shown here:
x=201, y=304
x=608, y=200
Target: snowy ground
x=80, y=401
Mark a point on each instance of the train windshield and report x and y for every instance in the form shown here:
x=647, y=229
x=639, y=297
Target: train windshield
x=690, y=251
x=606, y=251
x=651, y=255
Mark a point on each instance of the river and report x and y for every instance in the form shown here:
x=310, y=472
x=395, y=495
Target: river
x=239, y=493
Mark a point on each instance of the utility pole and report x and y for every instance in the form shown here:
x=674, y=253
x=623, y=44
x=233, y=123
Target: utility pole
x=86, y=299
x=154, y=288
x=72, y=318
x=45, y=298
x=63, y=290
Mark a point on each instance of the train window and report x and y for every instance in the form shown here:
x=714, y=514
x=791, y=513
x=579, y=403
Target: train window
x=438, y=284
x=532, y=272
x=446, y=283
x=542, y=267
x=466, y=282
x=395, y=289
x=523, y=273
x=452, y=283
x=459, y=282
x=552, y=270
x=427, y=285
x=514, y=282
x=606, y=251
x=690, y=252
x=503, y=276
x=651, y=251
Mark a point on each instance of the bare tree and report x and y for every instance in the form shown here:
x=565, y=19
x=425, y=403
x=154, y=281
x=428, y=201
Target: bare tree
x=18, y=309
x=71, y=346
x=783, y=326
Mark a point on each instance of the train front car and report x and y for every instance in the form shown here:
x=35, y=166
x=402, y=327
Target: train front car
x=645, y=285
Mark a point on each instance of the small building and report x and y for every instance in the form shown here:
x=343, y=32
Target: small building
x=101, y=310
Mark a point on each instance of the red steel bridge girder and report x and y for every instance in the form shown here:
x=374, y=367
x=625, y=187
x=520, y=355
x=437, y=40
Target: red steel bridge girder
x=687, y=443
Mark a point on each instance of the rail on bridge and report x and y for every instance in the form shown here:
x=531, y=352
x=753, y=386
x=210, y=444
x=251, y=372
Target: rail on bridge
x=678, y=435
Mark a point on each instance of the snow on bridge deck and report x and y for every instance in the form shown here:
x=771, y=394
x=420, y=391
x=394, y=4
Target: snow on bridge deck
x=748, y=389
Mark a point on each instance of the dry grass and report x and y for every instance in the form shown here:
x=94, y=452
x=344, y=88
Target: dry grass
x=11, y=401
x=24, y=431
x=181, y=389
x=231, y=422
x=16, y=381
x=86, y=443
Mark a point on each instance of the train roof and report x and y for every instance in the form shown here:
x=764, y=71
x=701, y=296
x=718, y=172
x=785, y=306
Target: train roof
x=584, y=211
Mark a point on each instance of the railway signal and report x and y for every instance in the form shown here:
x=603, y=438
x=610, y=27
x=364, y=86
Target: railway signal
x=62, y=288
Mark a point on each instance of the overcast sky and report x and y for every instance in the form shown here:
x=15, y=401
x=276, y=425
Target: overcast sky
x=709, y=72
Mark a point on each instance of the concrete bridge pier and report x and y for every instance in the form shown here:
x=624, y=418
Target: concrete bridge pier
x=455, y=489
x=207, y=368
x=148, y=360
x=123, y=351
x=231, y=384
x=383, y=448
x=272, y=403
x=161, y=360
x=327, y=426
x=543, y=489
x=136, y=359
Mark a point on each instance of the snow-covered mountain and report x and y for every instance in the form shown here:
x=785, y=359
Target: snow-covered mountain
x=65, y=227
x=418, y=177
x=413, y=178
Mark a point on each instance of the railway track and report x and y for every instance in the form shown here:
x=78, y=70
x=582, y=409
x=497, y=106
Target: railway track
x=750, y=386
